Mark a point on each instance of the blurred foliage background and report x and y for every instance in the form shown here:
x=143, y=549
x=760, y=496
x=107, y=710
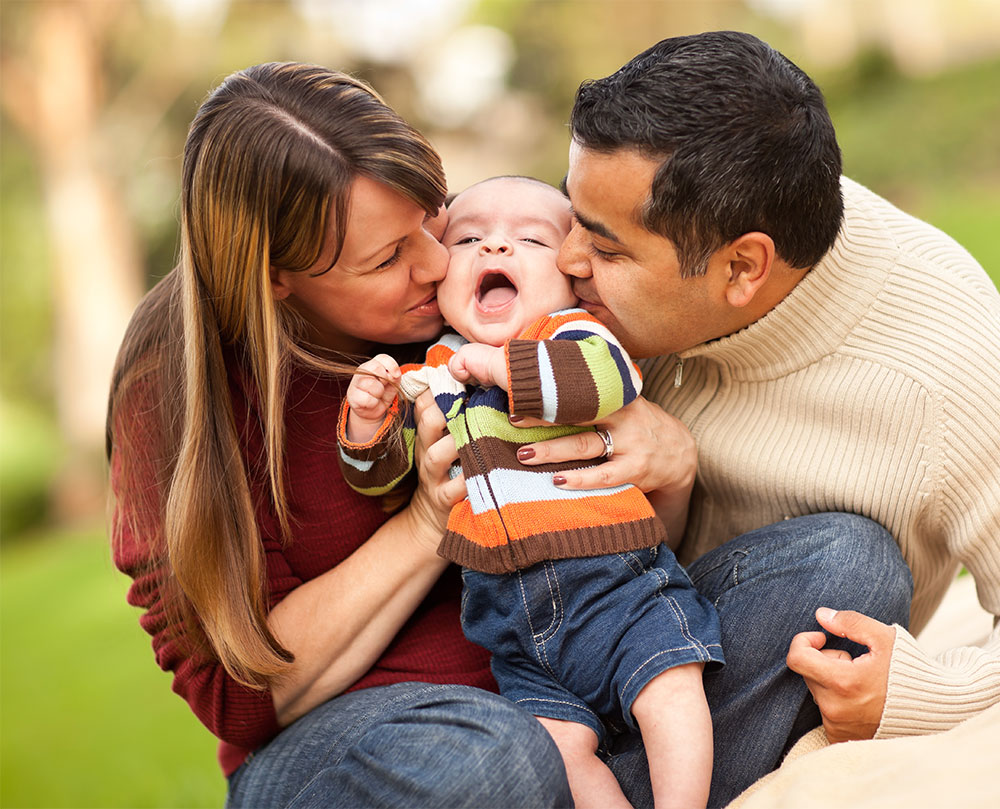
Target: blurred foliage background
x=95, y=99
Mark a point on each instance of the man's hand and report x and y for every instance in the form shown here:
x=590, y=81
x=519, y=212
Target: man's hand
x=850, y=693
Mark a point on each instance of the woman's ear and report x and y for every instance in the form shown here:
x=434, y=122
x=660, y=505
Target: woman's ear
x=279, y=284
x=749, y=259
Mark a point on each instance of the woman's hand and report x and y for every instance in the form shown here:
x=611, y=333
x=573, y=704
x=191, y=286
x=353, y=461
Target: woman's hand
x=436, y=492
x=652, y=450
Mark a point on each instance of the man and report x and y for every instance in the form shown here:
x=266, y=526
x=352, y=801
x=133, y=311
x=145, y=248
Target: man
x=837, y=364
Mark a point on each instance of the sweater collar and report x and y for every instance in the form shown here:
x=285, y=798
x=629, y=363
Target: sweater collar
x=816, y=317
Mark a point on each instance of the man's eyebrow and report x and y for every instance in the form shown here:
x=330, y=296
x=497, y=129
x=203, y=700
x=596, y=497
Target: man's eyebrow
x=596, y=227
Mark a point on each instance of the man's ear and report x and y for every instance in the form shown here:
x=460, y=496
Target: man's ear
x=749, y=260
x=279, y=284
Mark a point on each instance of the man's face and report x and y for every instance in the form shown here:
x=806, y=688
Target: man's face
x=624, y=275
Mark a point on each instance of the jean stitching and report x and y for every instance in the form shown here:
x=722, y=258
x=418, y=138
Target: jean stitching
x=540, y=638
x=556, y=595
x=682, y=621
x=632, y=562
x=663, y=578
x=660, y=653
x=579, y=705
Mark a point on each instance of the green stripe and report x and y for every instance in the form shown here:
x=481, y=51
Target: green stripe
x=604, y=371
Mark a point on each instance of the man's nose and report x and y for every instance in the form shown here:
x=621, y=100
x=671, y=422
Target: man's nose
x=572, y=258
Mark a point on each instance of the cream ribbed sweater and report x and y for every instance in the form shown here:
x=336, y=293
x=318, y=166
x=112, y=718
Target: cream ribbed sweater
x=872, y=388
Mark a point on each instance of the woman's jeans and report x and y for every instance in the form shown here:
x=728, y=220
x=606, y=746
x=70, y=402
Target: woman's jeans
x=420, y=745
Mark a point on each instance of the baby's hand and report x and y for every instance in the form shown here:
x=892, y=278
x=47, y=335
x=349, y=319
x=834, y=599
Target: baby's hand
x=482, y=363
x=369, y=396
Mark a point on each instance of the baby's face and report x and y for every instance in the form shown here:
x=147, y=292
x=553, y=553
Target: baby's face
x=503, y=236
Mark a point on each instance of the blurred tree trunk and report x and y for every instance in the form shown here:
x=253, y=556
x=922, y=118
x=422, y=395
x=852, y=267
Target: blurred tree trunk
x=53, y=90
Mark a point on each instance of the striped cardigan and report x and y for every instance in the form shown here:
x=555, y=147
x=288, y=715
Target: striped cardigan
x=565, y=368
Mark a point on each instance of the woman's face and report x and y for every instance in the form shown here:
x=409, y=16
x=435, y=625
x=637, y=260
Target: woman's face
x=383, y=288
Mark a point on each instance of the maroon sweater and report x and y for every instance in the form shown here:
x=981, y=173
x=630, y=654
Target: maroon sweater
x=331, y=521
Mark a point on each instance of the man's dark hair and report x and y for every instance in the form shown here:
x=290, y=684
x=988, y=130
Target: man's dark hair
x=745, y=138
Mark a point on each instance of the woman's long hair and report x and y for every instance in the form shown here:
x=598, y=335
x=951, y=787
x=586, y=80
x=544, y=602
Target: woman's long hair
x=271, y=154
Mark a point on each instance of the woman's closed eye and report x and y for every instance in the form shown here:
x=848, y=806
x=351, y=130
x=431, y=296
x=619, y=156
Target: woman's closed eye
x=392, y=259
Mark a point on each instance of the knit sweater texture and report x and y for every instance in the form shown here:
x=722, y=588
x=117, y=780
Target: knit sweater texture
x=872, y=388
x=566, y=367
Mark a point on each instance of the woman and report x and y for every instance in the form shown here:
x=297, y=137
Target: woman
x=313, y=630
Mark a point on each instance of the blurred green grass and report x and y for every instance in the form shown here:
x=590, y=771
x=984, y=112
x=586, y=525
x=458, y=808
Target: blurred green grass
x=88, y=718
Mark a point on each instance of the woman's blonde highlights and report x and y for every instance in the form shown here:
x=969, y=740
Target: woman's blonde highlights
x=269, y=161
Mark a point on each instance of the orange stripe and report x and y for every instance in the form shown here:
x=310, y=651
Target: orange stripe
x=439, y=354
x=485, y=530
x=524, y=519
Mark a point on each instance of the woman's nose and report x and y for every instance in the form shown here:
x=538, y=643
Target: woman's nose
x=432, y=264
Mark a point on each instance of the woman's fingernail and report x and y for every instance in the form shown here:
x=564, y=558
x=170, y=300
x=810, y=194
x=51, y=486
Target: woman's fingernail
x=516, y=419
x=525, y=454
x=825, y=613
x=558, y=480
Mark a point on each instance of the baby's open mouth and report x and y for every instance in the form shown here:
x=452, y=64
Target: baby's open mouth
x=495, y=290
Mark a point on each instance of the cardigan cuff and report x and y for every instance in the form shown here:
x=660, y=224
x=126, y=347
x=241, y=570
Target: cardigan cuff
x=523, y=384
x=930, y=695
x=367, y=450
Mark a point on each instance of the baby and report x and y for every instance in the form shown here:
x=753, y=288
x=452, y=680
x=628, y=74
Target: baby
x=590, y=619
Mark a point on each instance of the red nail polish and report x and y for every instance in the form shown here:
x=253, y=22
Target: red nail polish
x=558, y=480
x=525, y=454
x=515, y=419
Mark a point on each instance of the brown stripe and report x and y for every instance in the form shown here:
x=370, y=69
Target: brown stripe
x=576, y=391
x=502, y=455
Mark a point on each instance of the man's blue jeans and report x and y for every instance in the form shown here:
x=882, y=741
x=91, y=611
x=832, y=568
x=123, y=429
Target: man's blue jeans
x=417, y=745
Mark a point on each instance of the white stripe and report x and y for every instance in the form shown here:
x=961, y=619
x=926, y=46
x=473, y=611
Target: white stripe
x=452, y=340
x=514, y=486
x=361, y=466
x=550, y=398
